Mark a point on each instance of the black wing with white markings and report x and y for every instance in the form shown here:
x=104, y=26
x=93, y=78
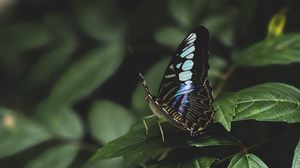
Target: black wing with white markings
x=184, y=91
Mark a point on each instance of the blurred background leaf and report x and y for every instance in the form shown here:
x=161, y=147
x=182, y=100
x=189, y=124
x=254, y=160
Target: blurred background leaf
x=21, y=37
x=169, y=36
x=52, y=157
x=102, y=20
x=108, y=121
x=59, y=53
x=62, y=122
x=18, y=132
x=86, y=74
x=278, y=50
x=185, y=12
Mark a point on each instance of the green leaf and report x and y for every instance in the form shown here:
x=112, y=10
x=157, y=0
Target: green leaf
x=169, y=36
x=109, y=163
x=18, y=38
x=220, y=26
x=108, y=121
x=296, y=160
x=217, y=64
x=246, y=161
x=135, y=141
x=60, y=51
x=269, y=102
x=202, y=162
x=62, y=122
x=140, y=158
x=102, y=20
x=18, y=132
x=59, y=157
x=152, y=77
x=185, y=12
x=278, y=50
x=224, y=107
x=86, y=74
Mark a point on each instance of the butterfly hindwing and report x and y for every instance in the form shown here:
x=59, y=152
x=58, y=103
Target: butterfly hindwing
x=184, y=91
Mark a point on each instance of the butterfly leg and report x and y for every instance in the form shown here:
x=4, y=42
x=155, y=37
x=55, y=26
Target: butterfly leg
x=161, y=131
x=145, y=123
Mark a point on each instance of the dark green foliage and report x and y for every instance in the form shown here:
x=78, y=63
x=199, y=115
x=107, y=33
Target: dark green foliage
x=70, y=95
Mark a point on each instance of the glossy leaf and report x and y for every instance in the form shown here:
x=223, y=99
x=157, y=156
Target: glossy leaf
x=246, y=161
x=153, y=78
x=169, y=36
x=18, y=133
x=108, y=121
x=224, y=107
x=62, y=122
x=18, y=38
x=137, y=142
x=86, y=74
x=296, y=160
x=269, y=102
x=278, y=50
x=59, y=157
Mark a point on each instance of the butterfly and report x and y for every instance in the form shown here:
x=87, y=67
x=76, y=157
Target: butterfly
x=185, y=96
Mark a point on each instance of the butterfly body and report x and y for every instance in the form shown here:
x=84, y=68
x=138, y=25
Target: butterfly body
x=185, y=97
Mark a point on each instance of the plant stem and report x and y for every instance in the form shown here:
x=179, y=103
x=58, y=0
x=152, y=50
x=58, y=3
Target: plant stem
x=223, y=81
x=88, y=147
x=247, y=149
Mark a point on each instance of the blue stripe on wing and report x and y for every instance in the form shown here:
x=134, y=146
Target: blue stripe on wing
x=180, y=101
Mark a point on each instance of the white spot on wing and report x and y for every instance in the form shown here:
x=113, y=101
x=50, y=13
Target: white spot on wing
x=170, y=76
x=187, y=65
x=186, y=75
x=188, y=46
x=190, y=56
x=172, y=67
x=191, y=36
x=187, y=52
x=178, y=65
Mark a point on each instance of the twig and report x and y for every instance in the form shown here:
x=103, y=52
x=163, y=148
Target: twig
x=247, y=149
x=224, y=78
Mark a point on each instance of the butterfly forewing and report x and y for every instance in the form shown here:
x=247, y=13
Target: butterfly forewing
x=184, y=91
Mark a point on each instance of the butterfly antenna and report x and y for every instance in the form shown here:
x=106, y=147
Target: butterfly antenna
x=144, y=83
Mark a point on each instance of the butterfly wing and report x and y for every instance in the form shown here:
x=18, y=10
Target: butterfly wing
x=184, y=91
